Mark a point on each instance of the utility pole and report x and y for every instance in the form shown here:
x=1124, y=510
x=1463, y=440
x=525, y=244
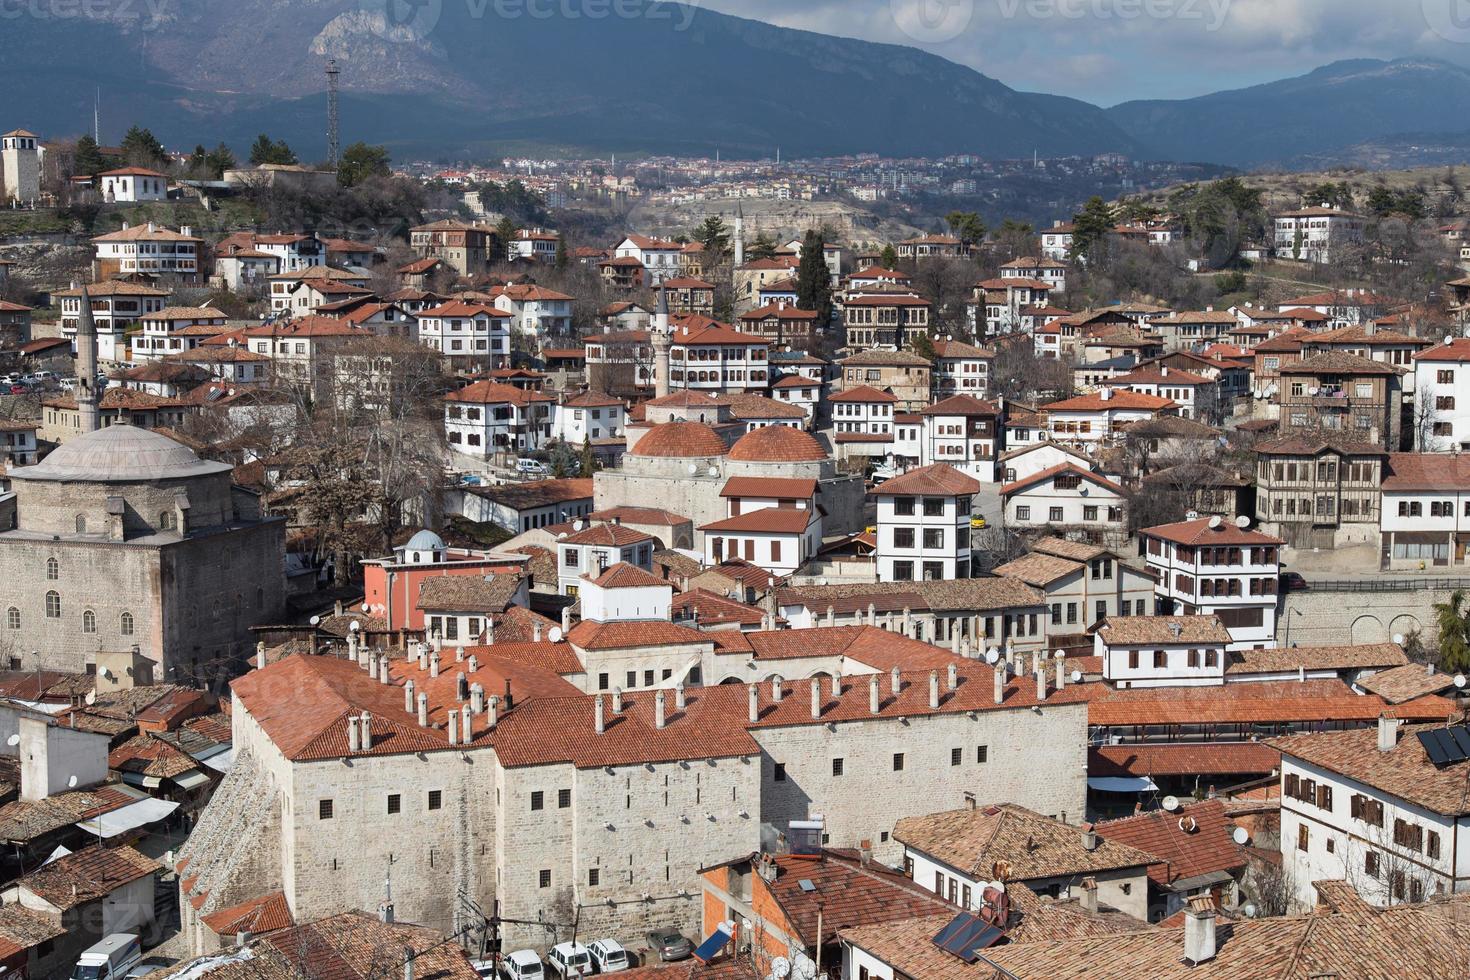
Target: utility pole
x=334, y=130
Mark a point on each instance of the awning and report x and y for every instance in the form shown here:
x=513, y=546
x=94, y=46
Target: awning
x=1199, y=882
x=191, y=779
x=130, y=817
x=1122, y=784
x=141, y=781
x=221, y=762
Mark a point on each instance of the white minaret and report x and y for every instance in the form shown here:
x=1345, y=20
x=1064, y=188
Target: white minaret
x=87, y=366
x=739, y=235
x=20, y=158
x=661, y=341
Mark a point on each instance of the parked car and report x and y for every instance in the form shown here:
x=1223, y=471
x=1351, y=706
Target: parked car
x=45, y=375
x=1293, y=582
x=531, y=466
x=570, y=960
x=68, y=384
x=609, y=956
x=110, y=959
x=523, y=964
x=979, y=523
x=20, y=389
x=669, y=945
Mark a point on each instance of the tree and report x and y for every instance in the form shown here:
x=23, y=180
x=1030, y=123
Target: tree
x=1015, y=239
x=505, y=230
x=764, y=247
x=87, y=160
x=360, y=161
x=966, y=226
x=714, y=236
x=142, y=149
x=1328, y=194
x=589, y=460
x=563, y=257
x=923, y=345
x=1453, y=621
x=814, y=279
x=210, y=164
x=563, y=461
x=267, y=151
x=1091, y=226
x=888, y=258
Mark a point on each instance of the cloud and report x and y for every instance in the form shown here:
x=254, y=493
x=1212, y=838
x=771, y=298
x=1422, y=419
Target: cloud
x=1107, y=51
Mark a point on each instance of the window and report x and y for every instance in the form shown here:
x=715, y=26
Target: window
x=933, y=539
x=89, y=621
x=543, y=878
x=1370, y=864
x=898, y=762
x=1055, y=515
x=903, y=506
x=324, y=809
x=538, y=800
x=982, y=754
x=125, y=624
x=395, y=804
x=780, y=772
x=436, y=799
x=12, y=618
x=563, y=799
x=955, y=756
x=903, y=537
x=594, y=877
x=53, y=605
x=1431, y=845
x=1023, y=513
x=53, y=570
x=81, y=524
x=1303, y=838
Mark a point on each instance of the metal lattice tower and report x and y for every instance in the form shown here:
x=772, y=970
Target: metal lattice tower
x=334, y=129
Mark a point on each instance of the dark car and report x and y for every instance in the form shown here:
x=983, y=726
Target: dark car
x=670, y=946
x=1293, y=582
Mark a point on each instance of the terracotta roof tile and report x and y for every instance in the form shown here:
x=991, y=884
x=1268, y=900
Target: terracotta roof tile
x=938, y=480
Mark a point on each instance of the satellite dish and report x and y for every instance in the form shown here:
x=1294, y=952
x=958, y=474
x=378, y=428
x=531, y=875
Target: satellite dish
x=1076, y=677
x=780, y=968
x=577, y=526
x=13, y=740
x=714, y=471
x=71, y=782
x=316, y=620
x=1060, y=654
x=1243, y=522
x=1460, y=680
x=366, y=608
x=1449, y=340
x=693, y=469
x=354, y=626
x=992, y=656
x=1216, y=522
x=1242, y=837
x=1248, y=910
x=1398, y=638
x=91, y=697
x=802, y=967
x=555, y=635
x=1171, y=803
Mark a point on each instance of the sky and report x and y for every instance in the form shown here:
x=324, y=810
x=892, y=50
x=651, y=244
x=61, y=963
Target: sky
x=1110, y=51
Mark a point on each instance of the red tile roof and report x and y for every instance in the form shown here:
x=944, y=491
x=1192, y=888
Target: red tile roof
x=257, y=916
x=588, y=635
x=1058, y=470
x=771, y=488
x=607, y=535
x=938, y=480
x=777, y=444
x=862, y=393
x=1194, y=841
x=1121, y=400
x=1202, y=533
x=1236, y=759
x=495, y=393
x=680, y=440
x=962, y=405
x=625, y=576
x=767, y=520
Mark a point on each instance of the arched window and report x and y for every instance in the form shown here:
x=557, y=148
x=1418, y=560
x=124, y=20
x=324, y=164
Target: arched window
x=81, y=523
x=53, y=569
x=12, y=618
x=89, y=621
x=125, y=624
x=53, y=605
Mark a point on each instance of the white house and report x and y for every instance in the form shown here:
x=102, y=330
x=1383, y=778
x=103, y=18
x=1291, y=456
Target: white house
x=708, y=356
x=468, y=336
x=773, y=523
x=1056, y=241
x=924, y=525
x=1383, y=809
x=1315, y=234
x=1036, y=457
x=862, y=421
x=535, y=310
x=116, y=306
x=164, y=331
x=1049, y=271
x=590, y=415
x=590, y=551
x=1215, y=567
x=147, y=250
x=626, y=593
x=1441, y=387
x=1189, y=392
x=1424, y=519
x=660, y=259
x=1162, y=651
x=963, y=432
x=131, y=185
x=488, y=418
x=1090, y=420
x=800, y=391
x=1068, y=500
x=532, y=245
x=961, y=369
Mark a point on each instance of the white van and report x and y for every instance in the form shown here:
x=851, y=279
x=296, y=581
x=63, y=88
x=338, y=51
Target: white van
x=570, y=960
x=522, y=965
x=609, y=956
x=110, y=959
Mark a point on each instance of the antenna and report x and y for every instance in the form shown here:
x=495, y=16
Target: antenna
x=334, y=129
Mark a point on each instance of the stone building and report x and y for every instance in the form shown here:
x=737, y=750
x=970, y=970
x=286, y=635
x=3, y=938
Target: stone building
x=124, y=539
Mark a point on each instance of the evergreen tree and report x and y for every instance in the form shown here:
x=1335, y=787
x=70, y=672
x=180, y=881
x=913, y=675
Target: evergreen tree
x=764, y=247
x=1091, y=226
x=267, y=151
x=888, y=258
x=923, y=345
x=814, y=279
x=1453, y=620
x=142, y=149
x=505, y=231
x=359, y=162
x=714, y=236
x=87, y=160
x=220, y=159
x=966, y=226
x=563, y=256
x=589, y=461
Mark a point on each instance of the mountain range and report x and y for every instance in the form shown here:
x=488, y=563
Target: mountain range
x=458, y=79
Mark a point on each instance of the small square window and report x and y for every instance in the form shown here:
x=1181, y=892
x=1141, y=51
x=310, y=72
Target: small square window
x=395, y=804
x=780, y=772
x=594, y=877
x=898, y=762
x=836, y=767
x=543, y=879
x=538, y=800
x=883, y=837
x=324, y=809
x=563, y=798
x=436, y=799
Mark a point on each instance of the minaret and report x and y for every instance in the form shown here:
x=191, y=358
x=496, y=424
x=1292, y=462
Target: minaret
x=87, y=366
x=739, y=235
x=661, y=340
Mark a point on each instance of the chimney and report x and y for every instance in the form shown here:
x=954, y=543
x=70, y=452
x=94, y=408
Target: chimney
x=837, y=685
x=1089, y=894
x=494, y=711
x=373, y=667
x=477, y=699
x=953, y=679
x=658, y=710
x=1199, y=930
x=777, y=690
x=895, y=682
x=679, y=702
x=1040, y=685
x=384, y=677
x=408, y=697
x=423, y=703
x=407, y=964
x=461, y=687
x=474, y=664
x=433, y=663
x=1388, y=733
x=260, y=655
x=536, y=631
x=566, y=619
x=754, y=713
x=873, y=694
x=453, y=727
x=366, y=738
x=617, y=700
x=1089, y=837
x=599, y=725
x=933, y=689
x=1164, y=372
x=354, y=743
x=1000, y=684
